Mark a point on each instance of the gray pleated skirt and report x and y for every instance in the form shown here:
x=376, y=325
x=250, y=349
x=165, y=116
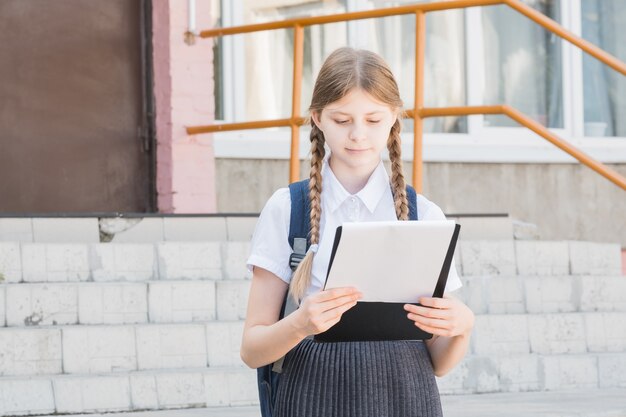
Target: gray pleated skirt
x=377, y=379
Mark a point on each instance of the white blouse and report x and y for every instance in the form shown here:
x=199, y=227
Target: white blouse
x=270, y=248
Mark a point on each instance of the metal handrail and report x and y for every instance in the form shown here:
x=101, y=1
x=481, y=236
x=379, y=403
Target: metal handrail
x=420, y=10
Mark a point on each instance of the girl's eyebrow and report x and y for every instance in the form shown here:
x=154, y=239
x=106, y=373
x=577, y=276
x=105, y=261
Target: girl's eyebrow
x=348, y=114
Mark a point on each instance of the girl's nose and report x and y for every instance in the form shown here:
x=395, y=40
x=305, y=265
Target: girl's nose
x=357, y=132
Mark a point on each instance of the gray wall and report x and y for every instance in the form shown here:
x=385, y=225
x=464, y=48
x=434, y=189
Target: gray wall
x=565, y=201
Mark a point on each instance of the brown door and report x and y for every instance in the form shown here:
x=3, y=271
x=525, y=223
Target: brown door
x=75, y=124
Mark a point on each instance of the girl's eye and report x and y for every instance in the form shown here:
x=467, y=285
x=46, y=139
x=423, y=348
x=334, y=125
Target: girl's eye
x=341, y=122
x=373, y=121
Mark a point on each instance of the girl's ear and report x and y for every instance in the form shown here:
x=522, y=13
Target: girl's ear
x=315, y=116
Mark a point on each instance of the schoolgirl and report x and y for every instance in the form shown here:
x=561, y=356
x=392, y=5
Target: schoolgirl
x=355, y=111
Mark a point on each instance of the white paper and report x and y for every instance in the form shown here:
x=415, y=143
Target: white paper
x=396, y=261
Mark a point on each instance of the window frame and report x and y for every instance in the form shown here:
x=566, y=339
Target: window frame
x=481, y=144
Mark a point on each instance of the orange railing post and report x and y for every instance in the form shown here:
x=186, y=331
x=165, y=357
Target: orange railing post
x=418, y=122
x=418, y=113
x=298, y=55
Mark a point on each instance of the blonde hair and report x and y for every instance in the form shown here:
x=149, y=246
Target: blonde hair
x=344, y=70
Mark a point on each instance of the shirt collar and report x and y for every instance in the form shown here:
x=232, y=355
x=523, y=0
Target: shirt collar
x=370, y=195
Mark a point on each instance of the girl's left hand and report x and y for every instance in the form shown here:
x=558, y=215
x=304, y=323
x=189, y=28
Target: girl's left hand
x=446, y=316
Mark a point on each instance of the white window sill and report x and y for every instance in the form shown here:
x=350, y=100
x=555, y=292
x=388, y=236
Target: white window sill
x=496, y=145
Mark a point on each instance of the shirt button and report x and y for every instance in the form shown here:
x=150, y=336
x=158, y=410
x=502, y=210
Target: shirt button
x=353, y=199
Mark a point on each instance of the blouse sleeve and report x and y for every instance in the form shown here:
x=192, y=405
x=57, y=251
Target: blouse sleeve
x=270, y=248
x=427, y=210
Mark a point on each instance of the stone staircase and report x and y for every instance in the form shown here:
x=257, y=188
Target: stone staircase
x=91, y=327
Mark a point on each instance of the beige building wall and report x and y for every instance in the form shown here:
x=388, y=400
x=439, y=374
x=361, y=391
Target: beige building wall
x=565, y=201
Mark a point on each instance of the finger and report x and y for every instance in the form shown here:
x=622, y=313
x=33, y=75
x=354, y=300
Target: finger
x=433, y=323
x=435, y=330
x=435, y=302
x=334, y=315
x=334, y=293
x=429, y=312
x=339, y=301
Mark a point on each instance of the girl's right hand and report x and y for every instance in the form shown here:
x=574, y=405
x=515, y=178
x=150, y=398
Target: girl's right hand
x=319, y=312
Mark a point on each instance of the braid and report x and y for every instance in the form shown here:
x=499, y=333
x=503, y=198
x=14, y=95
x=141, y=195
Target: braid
x=398, y=185
x=302, y=277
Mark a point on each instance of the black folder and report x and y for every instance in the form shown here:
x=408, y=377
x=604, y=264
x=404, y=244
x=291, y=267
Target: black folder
x=373, y=321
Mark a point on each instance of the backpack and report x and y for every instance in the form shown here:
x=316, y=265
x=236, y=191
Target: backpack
x=268, y=376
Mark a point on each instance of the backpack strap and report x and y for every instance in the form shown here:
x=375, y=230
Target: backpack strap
x=411, y=195
x=299, y=224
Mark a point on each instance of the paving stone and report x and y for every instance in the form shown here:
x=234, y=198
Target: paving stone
x=69, y=230
x=96, y=349
x=557, y=333
x=92, y=393
x=232, y=299
x=171, y=346
x=16, y=229
x=113, y=303
x=189, y=260
x=590, y=258
x=123, y=262
x=182, y=301
x=188, y=229
x=41, y=304
x=10, y=262
x=55, y=262
x=30, y=352
x=542, y=258
x=26, y=396
x=488, y=257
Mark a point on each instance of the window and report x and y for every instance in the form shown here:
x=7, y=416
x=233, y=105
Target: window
x=603, y=23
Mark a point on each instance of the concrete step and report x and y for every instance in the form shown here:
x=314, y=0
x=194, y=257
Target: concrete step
x=105, y=262
x=129, y=347
x=118, y=348
x=126, y=391
x=130, y=228
x=122, y=302
x=543, y=294
x=510, y=372
x=570, y=403
x=57, y=262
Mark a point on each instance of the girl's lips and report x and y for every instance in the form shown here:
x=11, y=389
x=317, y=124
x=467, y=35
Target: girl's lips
x=356, y=150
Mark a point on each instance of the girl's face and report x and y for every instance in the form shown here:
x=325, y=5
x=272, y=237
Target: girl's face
x=356, y=129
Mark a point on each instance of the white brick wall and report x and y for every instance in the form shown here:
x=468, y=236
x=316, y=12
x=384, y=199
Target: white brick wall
x=551, y=294
x=519, y=373
x=182, y=301
x=542, y=258
x=30, y=351
x=557, y=333
x=181, y=389
x=114, y=303
x=26, y=396
x=231, y=387
x=612, y=370
x=123, y=262
x=500, y=334
x=189, y=260
x=488, y=257
x=41, y=304
x=232, y=299
x=570, y=371
x=2, y=306
x=606, y=332
x=10, y=262
x=171, y=346
x=224, y=343
x=588, y=258
x=505, y=295
x=234, y=257
x=143, y=389
x=54, y=262
x=92, y=349
x=603, y=293
x=91, y=394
